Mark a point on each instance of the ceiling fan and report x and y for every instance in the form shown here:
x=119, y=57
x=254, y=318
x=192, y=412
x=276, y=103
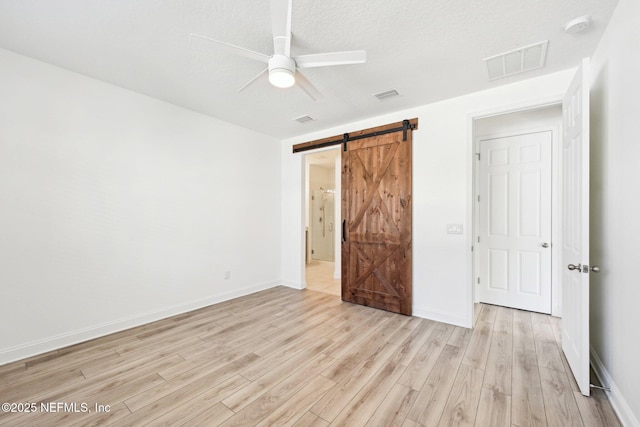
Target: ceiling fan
x=283, y=69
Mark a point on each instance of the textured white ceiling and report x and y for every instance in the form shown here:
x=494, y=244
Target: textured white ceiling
x=428, y=50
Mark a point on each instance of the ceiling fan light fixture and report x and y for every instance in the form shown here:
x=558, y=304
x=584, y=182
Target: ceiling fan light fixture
x=282, y=71
x=281, y=78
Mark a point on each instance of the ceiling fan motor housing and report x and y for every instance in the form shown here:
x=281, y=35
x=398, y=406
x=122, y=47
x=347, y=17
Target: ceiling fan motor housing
x=282, y=71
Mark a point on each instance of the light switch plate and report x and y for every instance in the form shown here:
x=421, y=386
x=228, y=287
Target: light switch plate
x=454, y=228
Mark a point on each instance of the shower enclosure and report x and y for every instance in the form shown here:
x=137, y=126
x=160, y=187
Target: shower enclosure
x=322, y=224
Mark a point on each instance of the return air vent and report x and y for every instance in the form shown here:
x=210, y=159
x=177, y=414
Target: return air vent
x=304, y=119
x=517, y=61
x=386, y=94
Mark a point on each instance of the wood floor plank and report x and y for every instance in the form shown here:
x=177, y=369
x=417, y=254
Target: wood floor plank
x=393, y=410
x=500, y=360
x=546, y=347
x=410, y=423
x=213, y=358
x=256, y=388
x=311, y=420
x=104, y=394
x=420, y=367
x=194, y=407
x=360, y=409
x=206, y=350
x=430, y=402
x=488, y=313
x=212, y=416
x=494, y=409
x=27, y=386
x=345, y=366
x=109, y=381
x=559, y=402
x=462, y=403
x=16, y=368
x=300, y=334
x=299, y=404
x=116, y=413
x=280, y=393
x=335, y=400
x=527, y=404
x=596, y=412
x=414, y=342
x=523, y=331
x=182, y=392
x=351, y=335
x=103, y=357
x=477, y=350
x=166, y=357
x=281, y=356
x=460, y=337
x=305, y=358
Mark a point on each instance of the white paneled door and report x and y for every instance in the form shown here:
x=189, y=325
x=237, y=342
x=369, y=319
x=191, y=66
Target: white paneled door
x=515, y=221
x=575, y=227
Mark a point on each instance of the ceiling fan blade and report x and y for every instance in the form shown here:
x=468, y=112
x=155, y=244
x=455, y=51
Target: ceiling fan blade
x=332, y=58
x=247, y=84
x=306, y=86
x=205, y=43
x=281, y=26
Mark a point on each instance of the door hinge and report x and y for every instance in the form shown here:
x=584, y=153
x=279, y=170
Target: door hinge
x=478, y=198
x=478, y=239
x=478, y=280
x=478, y=154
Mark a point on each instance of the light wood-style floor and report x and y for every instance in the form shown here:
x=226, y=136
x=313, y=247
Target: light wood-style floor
x=304, y=358
x=319, y=275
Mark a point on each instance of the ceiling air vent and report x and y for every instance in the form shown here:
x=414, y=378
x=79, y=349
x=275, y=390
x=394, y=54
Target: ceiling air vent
x=304, y=119
x=386, y=94
x=517, y=61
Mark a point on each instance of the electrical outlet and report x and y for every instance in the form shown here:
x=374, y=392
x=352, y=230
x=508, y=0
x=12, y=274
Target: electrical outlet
x=454, y=228
x=227, y=275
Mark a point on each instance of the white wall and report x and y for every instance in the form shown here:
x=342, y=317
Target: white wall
x=117, y=209
x=615, y=209
x=442, y=177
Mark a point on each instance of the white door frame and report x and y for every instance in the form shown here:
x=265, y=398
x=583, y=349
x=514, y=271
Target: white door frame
x=472, y=191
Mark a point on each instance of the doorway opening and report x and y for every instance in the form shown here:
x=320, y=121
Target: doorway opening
x=516, y=208
x=322, y=217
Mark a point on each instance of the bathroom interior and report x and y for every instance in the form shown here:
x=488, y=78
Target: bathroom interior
x=322, y=221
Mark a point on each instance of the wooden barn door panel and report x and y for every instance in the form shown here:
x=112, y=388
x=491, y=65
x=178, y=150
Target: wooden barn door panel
x=376, y=212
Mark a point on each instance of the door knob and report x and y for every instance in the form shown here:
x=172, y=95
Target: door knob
x=545, y=245
x=595, y=269
x=575, y=267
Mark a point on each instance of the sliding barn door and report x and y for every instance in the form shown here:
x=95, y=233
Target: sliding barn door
x=376, y=213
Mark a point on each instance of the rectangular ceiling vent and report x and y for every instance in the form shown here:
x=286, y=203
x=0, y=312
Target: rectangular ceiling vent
x=517, y=61
x=304, y=119
x=386, y=94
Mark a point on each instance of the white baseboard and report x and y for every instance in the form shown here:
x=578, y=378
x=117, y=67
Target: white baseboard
x=440, y=316
x=44, y=345
x=617, y=400
x=298, y=286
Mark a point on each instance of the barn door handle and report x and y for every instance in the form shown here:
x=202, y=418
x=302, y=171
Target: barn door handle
x=344, y=230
